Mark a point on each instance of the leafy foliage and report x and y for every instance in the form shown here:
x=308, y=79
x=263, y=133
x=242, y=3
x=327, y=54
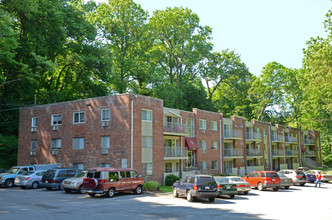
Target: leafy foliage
x=170, y=179
x=151, y=186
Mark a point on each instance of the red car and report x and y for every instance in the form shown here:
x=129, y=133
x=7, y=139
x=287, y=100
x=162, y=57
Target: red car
x=263, y=180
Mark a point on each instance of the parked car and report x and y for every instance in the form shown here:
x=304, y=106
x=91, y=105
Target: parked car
x=286, y=182
x=7, y=179
x=74, y=184
x=240, y=184
x=263, y=180
x=325, y=176
x=108, y=181
x=53, y=178
x=196, y=186
x=297, y=176
x=32, y=179
x=311, y=177
x=225, y=187
x=3, y=170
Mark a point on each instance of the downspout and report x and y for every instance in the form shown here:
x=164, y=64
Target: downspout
x=270, y=134
x=221, y=149
x=131, y=134
x=300, y=148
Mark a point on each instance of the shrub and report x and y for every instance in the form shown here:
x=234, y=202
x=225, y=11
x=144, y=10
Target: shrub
x=170, y=179
x=151, y=186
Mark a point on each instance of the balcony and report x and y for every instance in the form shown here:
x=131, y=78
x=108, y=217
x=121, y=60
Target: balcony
x=309, y=141
x=171, y=153
x=232, y=134
x=233, y=153
x=278, y=153
x=310, y=153
x=172, y=128
x=292, y=153
x=278, y=138
x=254, y=153
x=254, y=168
x=253, y=136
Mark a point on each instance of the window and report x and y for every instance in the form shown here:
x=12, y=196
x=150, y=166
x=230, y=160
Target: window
x=113, y=176
x=202, y=145
x=105, y=114
x=147, y=142
x=34, y=122
x=147, y=169
x=202, y=124
x=146, y=115
x=56, y=119
x=78, y=166
x=56, y=143
x=134, y=174
x=124, y=163
x=79, y=117
x=203, y=165
x=190, y=127
x=105, y=165
x=214, y=145
x=168, y=167
x=227, y=130
x=214, y=165
x=33, y=145
x=265, y=133
x=78, y=143
x=105, y=142
x=214, y=126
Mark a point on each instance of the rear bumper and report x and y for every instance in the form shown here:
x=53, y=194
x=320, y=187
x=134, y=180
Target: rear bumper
x=243, y=189
x=200, y=194
x=299, y=181
x=227, y=192
x=22, y=183
x=271, y=185
x=50, y=185
x=94, y=191
x=287, y=184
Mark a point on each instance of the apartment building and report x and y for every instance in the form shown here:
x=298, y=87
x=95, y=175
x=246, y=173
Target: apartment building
x=129, y=130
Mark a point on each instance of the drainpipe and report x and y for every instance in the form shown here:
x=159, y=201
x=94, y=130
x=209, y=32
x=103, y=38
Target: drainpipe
x=300, y=148
x=221, y=149
x=270, y=134
x=131, y=134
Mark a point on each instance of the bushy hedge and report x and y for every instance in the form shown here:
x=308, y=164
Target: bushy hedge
x=151, y=186
x=170, y=179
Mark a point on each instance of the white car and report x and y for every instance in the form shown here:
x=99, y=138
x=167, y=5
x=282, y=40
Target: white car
x=74, y=183
x=297, y=176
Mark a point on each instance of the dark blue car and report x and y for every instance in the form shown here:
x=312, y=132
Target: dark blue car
x=310, y=177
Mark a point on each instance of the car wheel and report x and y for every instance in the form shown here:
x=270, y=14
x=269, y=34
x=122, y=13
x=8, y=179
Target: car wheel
x=275, y=188
x=80, y=190
x=302, y=184
x=245, y=192
x=60, y=187
x=286, y=187
x=175, y=193
x=67, y=190
x=190, y=198
x=34, y=185
x=110, y=193
x=260, y=186
x=9, y=183
x=91, y=194
x=232, y=196
x=211, y=199
x=138, y=190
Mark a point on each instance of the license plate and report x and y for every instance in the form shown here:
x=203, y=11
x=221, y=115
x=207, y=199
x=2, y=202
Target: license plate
x=46, y=181
x=207, y=187
x=228, y=187
x=273, y=179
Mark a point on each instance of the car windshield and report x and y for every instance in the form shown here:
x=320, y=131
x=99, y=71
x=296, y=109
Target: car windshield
x=272, y=175
x=80, y=174
x=281, y=175
x=237, y=179
x=206, y=181
x=13, y=170
x=221, y=180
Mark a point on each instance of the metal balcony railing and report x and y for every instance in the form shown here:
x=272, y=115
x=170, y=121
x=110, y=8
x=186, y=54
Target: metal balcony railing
x=310, y=152
x=278, y=138
x=232, y=152
x=175, y=127
x=309, y=141
x=232, y=134
x=291, y=152
x=254, y=152
x=278, y=152
x=253, y=136
x=175, y=152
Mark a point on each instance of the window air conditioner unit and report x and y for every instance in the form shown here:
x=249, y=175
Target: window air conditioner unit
x=55, y=128
x=32, y=153
x=105, y=123
x=54, y=152
x=104, y=151
x=203, y=151
x=203, y=131
x=34, y=129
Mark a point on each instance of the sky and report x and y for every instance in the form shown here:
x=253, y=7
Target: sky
x=260, y=31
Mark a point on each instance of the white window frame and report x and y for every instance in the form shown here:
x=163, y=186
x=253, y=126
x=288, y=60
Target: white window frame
x=78, y=166
x=33, y=145
x=147, y=142
x=216, y=165
x=202, y=144
x=56, y=143
x=80, y=121
x=214, y=145
x=227, y=130
x=149, y=169
x=203, y=165
x=214, y=126
x=202, y=124
x=56, y=122
x=34, y=122
x=79, y=141
x=106, y=112
x=105, y=165
x=105, y=142
x=147, y=116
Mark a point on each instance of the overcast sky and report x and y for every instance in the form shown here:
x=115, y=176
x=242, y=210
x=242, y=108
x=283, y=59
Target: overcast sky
x=261, y=31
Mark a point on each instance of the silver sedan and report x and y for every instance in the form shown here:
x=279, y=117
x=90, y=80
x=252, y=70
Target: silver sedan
x=30, y=179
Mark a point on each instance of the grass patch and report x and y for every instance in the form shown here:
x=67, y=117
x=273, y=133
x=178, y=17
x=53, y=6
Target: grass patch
x=165, y=189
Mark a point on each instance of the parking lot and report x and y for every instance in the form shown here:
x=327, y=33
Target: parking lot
x=298, y=202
